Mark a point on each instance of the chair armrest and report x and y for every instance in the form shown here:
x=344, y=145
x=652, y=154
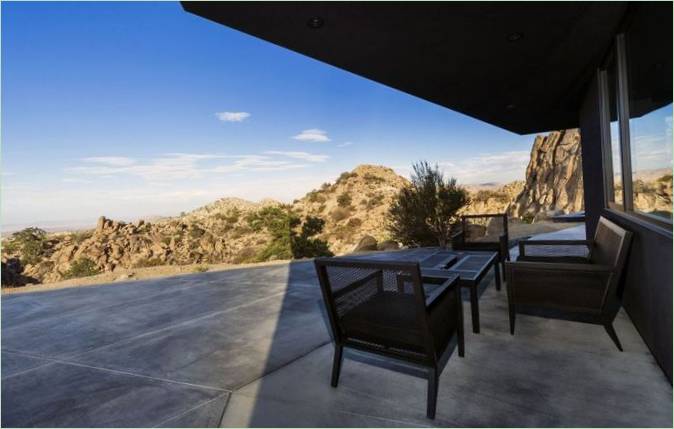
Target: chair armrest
x=556, y=266
x=446, y=284
x=522, y=244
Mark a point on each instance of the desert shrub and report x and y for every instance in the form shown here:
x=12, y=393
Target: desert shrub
x=344, y=199
x=200, y=269
x=375, y=201
x=149, y=262
x=354, y=222
x=233, y=215
x=315, y=197
x=345, y=176
x=166, y=240
x=239, y=231
x=29, y=243
x=371, y=178
x=83, y=267
x=196, y=232
x=326, y=186
x=422, y=213
x=339, y=213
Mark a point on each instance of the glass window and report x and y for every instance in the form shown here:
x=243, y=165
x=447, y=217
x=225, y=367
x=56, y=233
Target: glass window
x=649, y=86
x=615, y=188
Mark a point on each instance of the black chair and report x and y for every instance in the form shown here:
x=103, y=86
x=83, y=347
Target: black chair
x=487, y=232
x=389, y=309
x=575, y=287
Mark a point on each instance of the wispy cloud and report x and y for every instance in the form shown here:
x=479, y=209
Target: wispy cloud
x=313, y=135
x=182, y=166
x=113, y=161
x=304, y=156
x=489, y=167
x=345, y=144
x=501, y=167
x=232, y=116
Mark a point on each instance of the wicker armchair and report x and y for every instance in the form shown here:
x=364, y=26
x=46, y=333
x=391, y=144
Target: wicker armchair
x=389, y=309
x=576, y=287
x=484, y=232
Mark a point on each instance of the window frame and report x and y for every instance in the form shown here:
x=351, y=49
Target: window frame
x=618, y=57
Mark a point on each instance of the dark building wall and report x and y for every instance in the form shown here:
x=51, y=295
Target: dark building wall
x=647, y=286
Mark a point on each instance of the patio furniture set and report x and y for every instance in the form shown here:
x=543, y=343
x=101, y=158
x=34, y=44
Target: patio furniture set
x=408, y=308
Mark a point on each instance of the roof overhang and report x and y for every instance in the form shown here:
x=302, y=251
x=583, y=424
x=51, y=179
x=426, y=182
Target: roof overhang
x=519, y=66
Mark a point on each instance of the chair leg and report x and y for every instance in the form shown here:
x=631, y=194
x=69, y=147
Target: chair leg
x=497, y=274
x=474, y=309
x=611, y=333
x=432, y=398
x=459, y=329
x=503, y=269
x=511, y=316
x=336, y=365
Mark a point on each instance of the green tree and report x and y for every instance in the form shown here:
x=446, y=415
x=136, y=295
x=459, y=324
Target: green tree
x=30, y=243
x=423, y=213
x=290, y=237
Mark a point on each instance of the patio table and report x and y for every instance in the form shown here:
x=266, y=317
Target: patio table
x=471, y=266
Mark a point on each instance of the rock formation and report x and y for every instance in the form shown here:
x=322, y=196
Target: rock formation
x=554, y=177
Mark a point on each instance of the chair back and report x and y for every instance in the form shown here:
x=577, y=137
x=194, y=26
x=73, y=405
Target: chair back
x=611, y=244
x=376, y=304
x=484, y=228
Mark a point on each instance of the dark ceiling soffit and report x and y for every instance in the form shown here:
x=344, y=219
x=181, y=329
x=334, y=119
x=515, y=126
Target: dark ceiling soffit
x=525, y=86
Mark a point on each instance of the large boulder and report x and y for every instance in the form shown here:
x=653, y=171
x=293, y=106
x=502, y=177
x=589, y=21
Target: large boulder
x=366, y=244
x=388, y=245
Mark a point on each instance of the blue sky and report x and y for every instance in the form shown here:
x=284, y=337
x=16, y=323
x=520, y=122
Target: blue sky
x=140, y=109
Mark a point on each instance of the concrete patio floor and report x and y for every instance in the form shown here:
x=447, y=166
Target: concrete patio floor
x=250, y=347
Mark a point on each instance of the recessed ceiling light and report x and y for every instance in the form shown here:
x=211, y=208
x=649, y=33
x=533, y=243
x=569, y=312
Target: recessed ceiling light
x=315, y=22
x=514, y=37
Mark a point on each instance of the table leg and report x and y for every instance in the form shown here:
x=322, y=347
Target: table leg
x=497, y=275
x=474, y=310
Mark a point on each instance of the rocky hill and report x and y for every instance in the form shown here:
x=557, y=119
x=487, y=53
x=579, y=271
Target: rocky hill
x=353, y=207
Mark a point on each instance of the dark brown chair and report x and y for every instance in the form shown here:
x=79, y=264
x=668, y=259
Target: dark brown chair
x=389, y=309
x=484, y=232
x=572, y=287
